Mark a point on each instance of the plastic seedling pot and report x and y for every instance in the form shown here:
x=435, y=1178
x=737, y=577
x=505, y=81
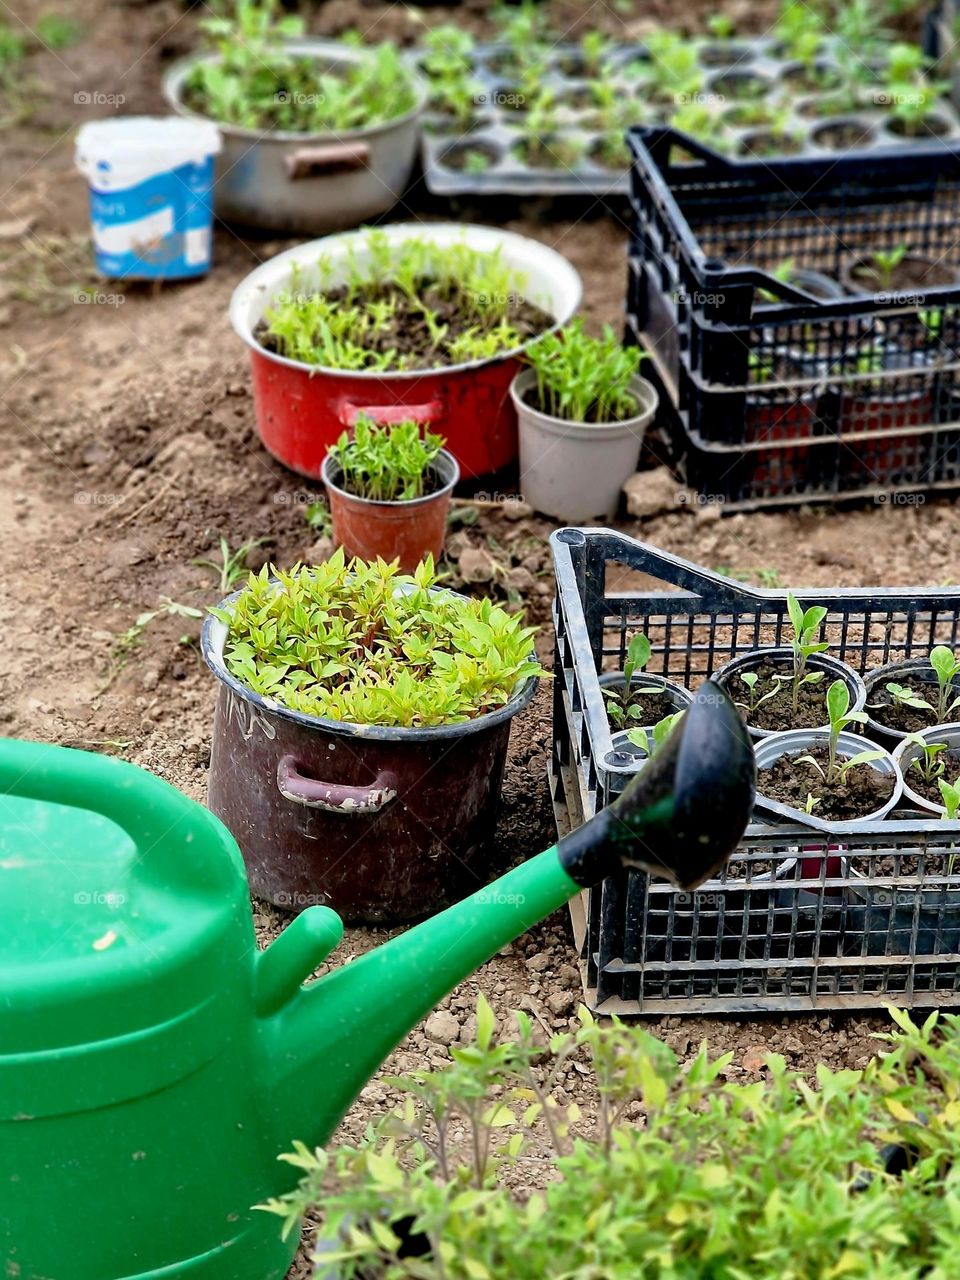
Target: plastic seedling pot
x=302, y=409
x=880, y=416
x=782, y=655
x=679, y=697
x=575, y=471
x=881, y=921
x=380, y=823
x=309, y=183
x=907, y=752
x=914, y=673
x=933, y=273
x=797, y=742
x=404, y=531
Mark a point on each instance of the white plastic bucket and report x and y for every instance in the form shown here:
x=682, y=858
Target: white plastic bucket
x=151, y=183
x=574, y=471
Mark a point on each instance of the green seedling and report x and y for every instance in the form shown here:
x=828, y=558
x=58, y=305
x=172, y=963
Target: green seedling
x=800, y=30
x=386, y=464
x=927, y=763
x=584, y=379
x=232, y=565
x=883, y=264
x=702, y=122
x=363, y=644
x=130, y=639
x=914, y=105
x=754, y=701
x=811, y=803
x=946, y=668
x=651, y=741
x=317, y=516
x=838, y=710
x=721, y=26
x=390, y=288
x=626, y=701
x=448, y=66
x=950, y=793
x=255, y=82
x=673, y=72
x=804, y=645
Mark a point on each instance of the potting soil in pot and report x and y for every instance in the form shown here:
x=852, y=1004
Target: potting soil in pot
x=778, y=713
x=894, y=715
x=651, y=708
x=930, y=790
x=790, y=780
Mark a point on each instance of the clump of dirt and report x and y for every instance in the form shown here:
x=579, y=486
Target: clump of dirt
x=406, y=334
x=778, y=714
x=790, y=779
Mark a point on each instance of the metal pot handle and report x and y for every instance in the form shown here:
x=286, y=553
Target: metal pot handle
x=337, y=157
x=383, y=414
x=334, y=797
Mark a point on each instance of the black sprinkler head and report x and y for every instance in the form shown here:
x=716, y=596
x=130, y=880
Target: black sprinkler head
x=683, y=814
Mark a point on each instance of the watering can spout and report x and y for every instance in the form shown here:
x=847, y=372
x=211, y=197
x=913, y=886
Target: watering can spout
x=679, y=818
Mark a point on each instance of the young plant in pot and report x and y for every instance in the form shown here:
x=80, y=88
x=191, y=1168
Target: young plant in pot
x=827, y=778
x=419, y=322
x=389, y=491
x=928, y=762
x=361, y=734
x=782, y=687
x=317, y=134
x=583, y=410
x=636, y=699
x=913, y=695
x=897, y=270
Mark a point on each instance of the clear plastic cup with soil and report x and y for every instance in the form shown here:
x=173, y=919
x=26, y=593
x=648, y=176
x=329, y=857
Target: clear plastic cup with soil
x=637, y=699
x=913, y=695
x=930, y=763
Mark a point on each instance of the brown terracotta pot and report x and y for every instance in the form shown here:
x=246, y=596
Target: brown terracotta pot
x=404, y=531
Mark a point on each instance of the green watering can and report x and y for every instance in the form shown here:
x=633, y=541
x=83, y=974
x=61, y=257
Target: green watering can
x=154, y=1063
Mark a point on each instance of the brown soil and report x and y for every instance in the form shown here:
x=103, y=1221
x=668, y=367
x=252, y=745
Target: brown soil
x=553, y=152
x=408, y=334
x=882, y=708
x=653, y=708
x=778, y=714
x=844, y=136
x=130, y=447
x=911, y=273
x=931, y=790
x=791, y=779
x=768, y=143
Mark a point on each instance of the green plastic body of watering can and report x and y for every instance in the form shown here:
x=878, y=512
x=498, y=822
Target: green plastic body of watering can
x=154, y=1063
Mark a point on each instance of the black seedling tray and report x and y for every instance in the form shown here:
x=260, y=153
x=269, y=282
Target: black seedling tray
x=771, y=395
x=799, y=920
x=495, y=129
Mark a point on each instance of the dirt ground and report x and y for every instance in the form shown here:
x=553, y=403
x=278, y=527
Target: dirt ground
x=129, y=449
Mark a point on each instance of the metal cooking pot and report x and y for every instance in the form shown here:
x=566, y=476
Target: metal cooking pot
x=299, y=182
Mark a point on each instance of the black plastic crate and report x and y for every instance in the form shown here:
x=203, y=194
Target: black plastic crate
x=799, y=919
x=772, y=395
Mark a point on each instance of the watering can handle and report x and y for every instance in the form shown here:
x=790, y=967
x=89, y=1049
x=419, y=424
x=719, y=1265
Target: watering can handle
x=334, y=797
x=389, y=414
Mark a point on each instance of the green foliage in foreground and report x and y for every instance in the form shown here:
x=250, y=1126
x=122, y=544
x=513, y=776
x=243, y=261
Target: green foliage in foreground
x=257, y=83
x=584, y=379
x=386, y=464
x=366, y=645
x=776, y=1180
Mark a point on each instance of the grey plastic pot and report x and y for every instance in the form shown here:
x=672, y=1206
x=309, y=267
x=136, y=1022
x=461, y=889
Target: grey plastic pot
x=680, y=697
x=908, y=751
x=833, y=669
x=309, y=183
x=574, y=471
x=856, y=286
x=909, y=671
x=797, y=742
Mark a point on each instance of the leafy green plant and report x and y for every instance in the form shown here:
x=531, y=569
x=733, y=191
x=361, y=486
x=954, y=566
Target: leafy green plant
x=651, y=741
x=804, y=644
x=584, y=379
x=363, y=644
x=950, y=791
x=386, y=464
x=720, y=1180
x=392, y=290
x=232, y=565
x=448, y=65
x=546, y=144
x=721, y=26
x=256, y=82
x=883, y=263
x=673, y=72
x=625, y=702
x=926, y=763
x=810, y=803
x=838, y=710
x=946, y=667
x=800, y=30
x=756, y=700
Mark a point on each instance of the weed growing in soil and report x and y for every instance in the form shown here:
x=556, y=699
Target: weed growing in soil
x=255, y=82
x=838, y=709
x=412, y=305
x=232, y=565
x=386, y=464
x=363, y=644
x=584, y=379
x=719, y=1174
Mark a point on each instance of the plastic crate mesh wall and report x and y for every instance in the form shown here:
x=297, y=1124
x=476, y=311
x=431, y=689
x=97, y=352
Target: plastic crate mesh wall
x=798, y=920
x=771, y=397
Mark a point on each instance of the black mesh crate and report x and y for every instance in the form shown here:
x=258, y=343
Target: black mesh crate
x=771, y=394
x=799, y=919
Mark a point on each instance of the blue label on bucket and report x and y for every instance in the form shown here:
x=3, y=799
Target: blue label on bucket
x=159, y=229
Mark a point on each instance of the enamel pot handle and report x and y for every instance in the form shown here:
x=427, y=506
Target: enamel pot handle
x=388, y=414
x=334, y=797
x=314, y=162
